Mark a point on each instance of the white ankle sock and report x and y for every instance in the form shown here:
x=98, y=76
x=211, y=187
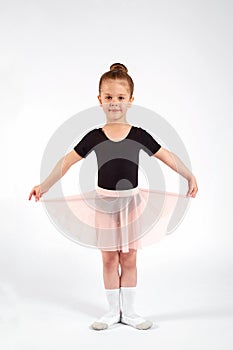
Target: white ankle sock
x=113, y=315
x=128, y=314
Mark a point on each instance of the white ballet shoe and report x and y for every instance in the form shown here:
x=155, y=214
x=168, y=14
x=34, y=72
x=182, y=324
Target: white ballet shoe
x=106, y=321
x=113, y=315
x=136, y=322
x=129, y=317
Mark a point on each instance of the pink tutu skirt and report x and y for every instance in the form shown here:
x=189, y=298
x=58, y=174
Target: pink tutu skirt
x=117, y=220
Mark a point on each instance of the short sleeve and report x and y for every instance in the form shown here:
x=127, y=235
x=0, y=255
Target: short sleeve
x=86, y=144
x=149, y=144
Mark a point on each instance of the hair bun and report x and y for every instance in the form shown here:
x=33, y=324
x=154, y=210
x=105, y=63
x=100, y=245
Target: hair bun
x=118, y=66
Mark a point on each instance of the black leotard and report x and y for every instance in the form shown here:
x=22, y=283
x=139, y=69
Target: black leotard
x=117, y=160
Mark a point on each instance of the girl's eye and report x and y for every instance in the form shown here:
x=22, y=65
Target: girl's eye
x=109, y=97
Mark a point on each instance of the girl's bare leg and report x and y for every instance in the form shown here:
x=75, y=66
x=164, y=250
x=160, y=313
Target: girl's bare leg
x=128, y=268
x=111, y=269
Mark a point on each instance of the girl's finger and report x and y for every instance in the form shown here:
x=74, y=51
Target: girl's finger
x=30, y=195
x=194, y=191
x=191, y=192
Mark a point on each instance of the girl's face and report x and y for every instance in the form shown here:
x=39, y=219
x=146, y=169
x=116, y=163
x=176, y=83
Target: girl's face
x=115, y=99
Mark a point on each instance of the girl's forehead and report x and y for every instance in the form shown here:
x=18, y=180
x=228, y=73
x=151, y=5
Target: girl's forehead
x=109, y=85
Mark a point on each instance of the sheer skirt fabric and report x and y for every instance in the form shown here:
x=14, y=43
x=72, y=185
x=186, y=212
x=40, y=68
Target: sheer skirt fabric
x=117, y=220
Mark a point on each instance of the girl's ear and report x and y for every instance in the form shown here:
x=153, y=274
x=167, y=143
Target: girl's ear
x=100, y=101
x=130, y=101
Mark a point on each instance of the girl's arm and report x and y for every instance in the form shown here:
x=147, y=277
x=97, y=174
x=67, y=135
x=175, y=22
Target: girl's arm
x=175, y=163
x=59, y=170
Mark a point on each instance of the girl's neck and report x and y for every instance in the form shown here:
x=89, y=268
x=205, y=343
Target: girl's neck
x=116, y=124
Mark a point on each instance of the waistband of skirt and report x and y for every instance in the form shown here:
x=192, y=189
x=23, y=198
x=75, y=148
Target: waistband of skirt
x=117, y=193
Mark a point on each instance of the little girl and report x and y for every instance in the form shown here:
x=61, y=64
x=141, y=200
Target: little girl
x=117, y=174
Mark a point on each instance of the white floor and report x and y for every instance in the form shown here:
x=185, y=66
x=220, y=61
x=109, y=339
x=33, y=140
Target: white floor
x=192, y=308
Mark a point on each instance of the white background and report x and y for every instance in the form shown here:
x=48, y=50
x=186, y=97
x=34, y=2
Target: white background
x=179, y=54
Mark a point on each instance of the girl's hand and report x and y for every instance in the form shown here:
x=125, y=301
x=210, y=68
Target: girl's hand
x=192, y=184
x=36, y=192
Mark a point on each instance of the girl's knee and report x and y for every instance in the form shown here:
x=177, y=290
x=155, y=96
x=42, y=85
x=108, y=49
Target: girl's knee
x=128, y=260
x=110, y=259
